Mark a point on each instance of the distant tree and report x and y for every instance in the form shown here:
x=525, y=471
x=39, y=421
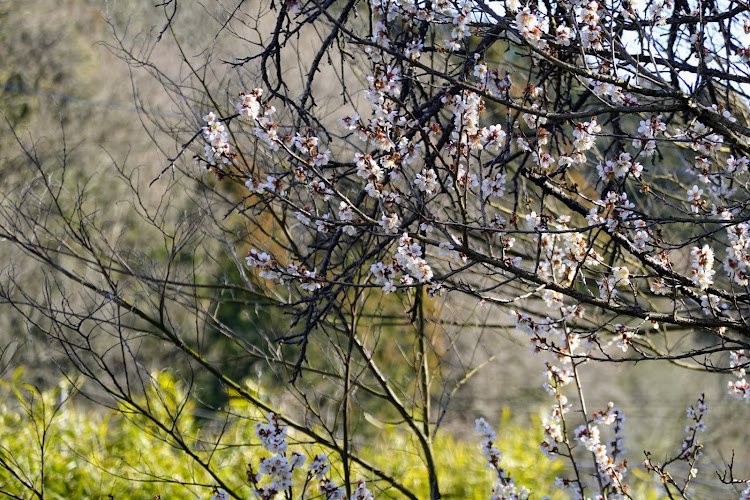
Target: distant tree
x=580, y=167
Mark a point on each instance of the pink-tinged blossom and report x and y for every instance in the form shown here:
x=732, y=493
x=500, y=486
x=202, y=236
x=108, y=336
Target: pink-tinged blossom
x=480, y=71
x=267, y=266
x=563, y=35
x=621, y=275
x=272, y=435
x=738, y=252
x=272, y=185
x=585, y=135
x=739, y=389
x=320, y=189
x=544, y=161
x=368, y=169
x=389, y=223
x=277, y=468
x=494, y=186
x=659, y=287
x=463, y=178
x=738, y=363
x=409, y=259
x=739, y=166
x=331, y=492
x=535, y=119
x=321, y=158
x=607, y=290
x=694, y=194
x=319, y=466
x=702, y=262
x=217, y=151
x=426, y=181
x=624, y=336
x=382, y=272
x=523, y=144
x=641, y=239
x=712, y=305
x=552, y=298
x=435, y=290
x=531, y=28
x=467, y=107
x=413, y=49
x=362, y=493
x=297, y=460
x=494, y=137
x=310, y=280
x=249, y=106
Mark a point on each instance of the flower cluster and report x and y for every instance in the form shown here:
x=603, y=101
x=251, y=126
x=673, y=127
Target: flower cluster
x=273, y=475
x=611, y=471
x=738, y=253
x=532, y=28
x=504, y=488
x=217, y=151
x=702, y=263
x=691, y=449
x=619, y=167
x=690, y=445
x=740, y=388
x=648, y=131
x=270, y=269
x=407, y=262
x=249, y=105
x=555, y=337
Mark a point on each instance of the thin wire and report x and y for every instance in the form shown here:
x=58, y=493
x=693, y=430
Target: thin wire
x=84, y=102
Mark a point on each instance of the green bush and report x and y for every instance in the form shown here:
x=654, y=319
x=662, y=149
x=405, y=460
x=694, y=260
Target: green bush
x=53, y=444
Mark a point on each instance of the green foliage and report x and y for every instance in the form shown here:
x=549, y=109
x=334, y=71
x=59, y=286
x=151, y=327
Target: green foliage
x=92, y=454
x=461, y=466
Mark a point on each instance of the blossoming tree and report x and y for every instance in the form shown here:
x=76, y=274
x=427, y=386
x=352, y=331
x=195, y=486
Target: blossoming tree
x=579, y=166
x=579, y=163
